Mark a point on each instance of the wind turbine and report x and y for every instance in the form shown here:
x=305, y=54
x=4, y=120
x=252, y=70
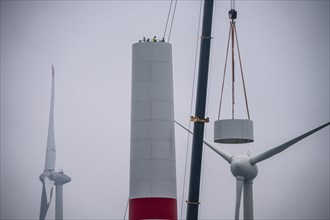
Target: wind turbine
x=49, y=177
x=244, y=169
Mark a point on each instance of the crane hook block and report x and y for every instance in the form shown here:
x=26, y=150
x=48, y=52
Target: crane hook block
x=232, y=14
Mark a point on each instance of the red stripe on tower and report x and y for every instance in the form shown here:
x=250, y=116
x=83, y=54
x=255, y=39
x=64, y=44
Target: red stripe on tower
x=152, y=208
x=152, y=163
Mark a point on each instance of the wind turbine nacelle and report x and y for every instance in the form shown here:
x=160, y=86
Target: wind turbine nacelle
x=59, y=178
x=233, y=131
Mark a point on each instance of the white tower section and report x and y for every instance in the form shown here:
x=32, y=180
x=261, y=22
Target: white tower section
x=152, y=163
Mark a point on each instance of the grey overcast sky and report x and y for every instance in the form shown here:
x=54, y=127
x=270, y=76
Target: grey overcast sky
x=285, y=53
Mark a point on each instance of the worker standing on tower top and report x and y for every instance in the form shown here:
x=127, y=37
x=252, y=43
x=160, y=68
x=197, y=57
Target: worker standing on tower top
x=154, y=39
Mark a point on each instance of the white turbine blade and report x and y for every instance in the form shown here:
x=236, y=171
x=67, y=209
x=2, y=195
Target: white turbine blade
x=51, y=151
x=284, y=146
x=239, y=187
x=46, y=196
x=43, y=205
x=222, y=153
x=48, y=184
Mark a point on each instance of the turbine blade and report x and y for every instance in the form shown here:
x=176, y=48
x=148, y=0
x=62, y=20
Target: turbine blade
x=239, y=187
x=222, y=153
x=48, y=184
x=284, y=146
x=50, y=150
x=44, y=205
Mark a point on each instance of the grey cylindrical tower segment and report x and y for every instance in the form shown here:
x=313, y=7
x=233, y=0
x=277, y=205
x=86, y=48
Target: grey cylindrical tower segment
x=59, y=202
x=152, y=159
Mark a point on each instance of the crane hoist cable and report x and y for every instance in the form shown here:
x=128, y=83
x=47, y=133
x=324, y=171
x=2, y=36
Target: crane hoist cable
x=169, y=35
x=233, y=37
x=167, y=20
x=168, y=16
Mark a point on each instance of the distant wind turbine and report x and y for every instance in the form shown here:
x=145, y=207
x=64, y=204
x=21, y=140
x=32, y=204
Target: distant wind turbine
x=49, y=178
x=244, y=169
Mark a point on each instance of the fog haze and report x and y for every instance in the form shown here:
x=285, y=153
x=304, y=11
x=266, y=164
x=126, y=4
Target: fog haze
x=285, y=53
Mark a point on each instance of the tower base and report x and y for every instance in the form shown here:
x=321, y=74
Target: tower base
x=152, y=208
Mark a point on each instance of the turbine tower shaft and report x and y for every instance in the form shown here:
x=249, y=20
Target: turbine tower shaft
x=59, y=202
x=152, y=162
x=248, y=200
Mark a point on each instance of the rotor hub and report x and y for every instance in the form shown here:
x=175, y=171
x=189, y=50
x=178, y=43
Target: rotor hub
x=241, y=166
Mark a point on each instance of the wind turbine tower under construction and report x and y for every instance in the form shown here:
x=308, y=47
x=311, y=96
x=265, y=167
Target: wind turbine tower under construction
x=152, y=187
